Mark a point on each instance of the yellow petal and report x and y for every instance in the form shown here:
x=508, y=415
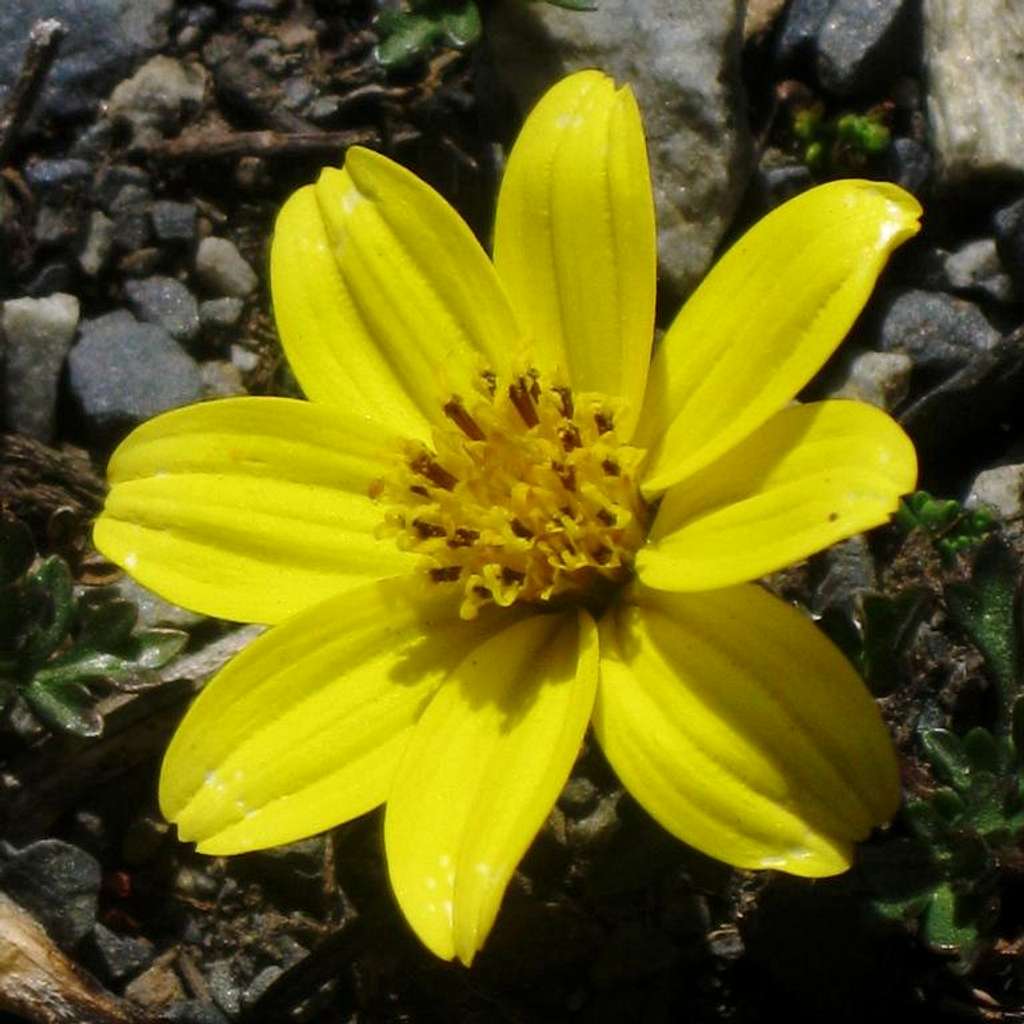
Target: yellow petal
x=304, y=729
x=384, y=300
x=248, y=508
x=574, y=238
x=810, y=476
x=765, y=319
x=742, y=729
x=481, y=772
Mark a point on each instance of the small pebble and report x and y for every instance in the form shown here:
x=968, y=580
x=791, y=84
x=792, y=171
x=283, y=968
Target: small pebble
x=167, y=302
x=174, y=222
x=220, y=314
x=99, y=240
x=222, y=268
x=156, y=987
x=244, y=358
x=1000, y=489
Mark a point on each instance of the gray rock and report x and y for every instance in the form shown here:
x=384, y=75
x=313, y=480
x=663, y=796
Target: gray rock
x=861, y=43
x=777, y=183
x=1000, y=489
x=224, y=987
x=976, y=267
x=130, y=213
x=104, y=38
x=157, y=98
x=99, y=240
x=259, y=985
x=909, y=163
x=297, y=92
x=56, y=882
x=1008, y=223
x=848, y=571
x=111, y=180
x=54, y=276
x=223, y=269
x=47, y=177
x=221, y=379
x=38, y=336
x=174, y=222
x=156, y=987
x=56, y=225
x=940, y=333
x=974, y=64
x=118, y=957
x=154, y=610
x=881, y=379
x=682, y=61
x=220, y=314
x=244, y=358
x=167, y=302
x=124, y=371
x=798, y=31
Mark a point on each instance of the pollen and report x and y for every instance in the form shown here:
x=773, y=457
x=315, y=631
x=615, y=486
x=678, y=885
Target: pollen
x=528, y=496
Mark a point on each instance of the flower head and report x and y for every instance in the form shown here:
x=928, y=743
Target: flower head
x=497, y=519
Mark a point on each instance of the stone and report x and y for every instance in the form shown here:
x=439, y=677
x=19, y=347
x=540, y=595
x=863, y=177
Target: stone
x=259, y=985
x=130, y=213
x=158, y=986
x=97, y=244
x=777, y=183
x=220, y=314
x=154, y=610
x=863, y=45
x=798, y=31
x=167, y=302
x=224, y=987
x=975, y=267
x=881, y=379
x=111, y=180
x=1008, y=223
x=58, y=883
x=974, y=66
x=173, y=222
x=940, y=333
x=244, y=358
x=1000, y=489
x=38, y=335
x=192, y=1011
x=123, y=371
x=56, y=225
x=53, y=276
x=104, y=39
x=47, y=177
x=222, y=268
x=117, y=957
x=908, y=163
x=682, y=62
x=157, y=98
x=847, y=572
x=221, y=379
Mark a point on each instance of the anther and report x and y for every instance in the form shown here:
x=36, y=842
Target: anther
x=463, y=538
x=456, y=412
x=610, y=467
x=565, y=401
x=425, y=529
x=447, y=574
x=570, y=437
x=603, y=422
x=490, y=381
x=521, y=531
x=566, y=474
x=605, y=517
x=520, y=394
x=511, y=576
x=424, y=465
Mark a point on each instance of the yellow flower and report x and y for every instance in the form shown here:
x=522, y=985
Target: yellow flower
x=497, y=519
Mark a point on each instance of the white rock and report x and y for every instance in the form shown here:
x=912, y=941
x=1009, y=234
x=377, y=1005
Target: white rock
x=682, y=62
x=156, y=99
x=38, y=336
x=1000, y=489
x=879, y=378
x=974, y=65
x=223, y=269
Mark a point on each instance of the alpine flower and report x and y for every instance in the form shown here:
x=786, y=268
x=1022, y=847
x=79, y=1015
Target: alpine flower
x=498, y=519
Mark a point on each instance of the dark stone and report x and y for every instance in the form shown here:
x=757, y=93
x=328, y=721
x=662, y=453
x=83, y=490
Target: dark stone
x=57, y=176
x=167, y=302
x=123, y=371
x=174, y=222
x=1008, y=223
x=192, y=1011
x=56, y=276
x=259, y=985
x=111, y=180
x=862, y=45
x=847, y=571
x=104, y=39
x=220, y=314
x=117, y=957
x=57, y=883
x=940, y=333
x=224, y=987
x=798, y=30
x=130, y=211
x=909, y=164
x=777, y=184
x=56, y=225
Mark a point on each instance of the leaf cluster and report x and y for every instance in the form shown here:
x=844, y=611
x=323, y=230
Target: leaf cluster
x=841, y=143
x=57, y=647
x=410, y=34
x=953, y=528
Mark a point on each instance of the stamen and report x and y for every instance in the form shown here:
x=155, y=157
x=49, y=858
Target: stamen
x=603, y=422
x=446, y=574
x=424, y=465
x=570, y=437
x=520, y=530
x=490, y=382
x=565, y=401
x=456, y=412
x=611, y=467
x=425, y=529
x=463, y=538
x=522, y=398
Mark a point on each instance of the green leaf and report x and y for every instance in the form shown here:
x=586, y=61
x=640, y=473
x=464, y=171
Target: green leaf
x=106, y=624
x=54, y=578
x=899, y=871
x=573, y=5
x=1017, y=728
x=953, y=921
x=946, y=754
x=67, y=707
x=17, y=550
x=982, y=750
x=887, y=624
x=462, y=26
x=408, y=39
x=985, y=609
x=153, y=648
x=84, y=665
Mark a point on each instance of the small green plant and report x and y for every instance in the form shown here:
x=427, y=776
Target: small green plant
x=56, y=647
x=952, y=527
x=409, y=34
x=965, y=833
x=840, y=143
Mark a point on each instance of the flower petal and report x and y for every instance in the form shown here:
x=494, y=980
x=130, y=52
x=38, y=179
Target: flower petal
x=304, y=729
x=248, y=508
x=742, y=729
x=810, y=476
x=765, y=319
x=481, y=772
x=384, y=300
x=575, y=240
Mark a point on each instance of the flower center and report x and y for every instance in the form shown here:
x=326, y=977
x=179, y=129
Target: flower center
x=528, y=496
